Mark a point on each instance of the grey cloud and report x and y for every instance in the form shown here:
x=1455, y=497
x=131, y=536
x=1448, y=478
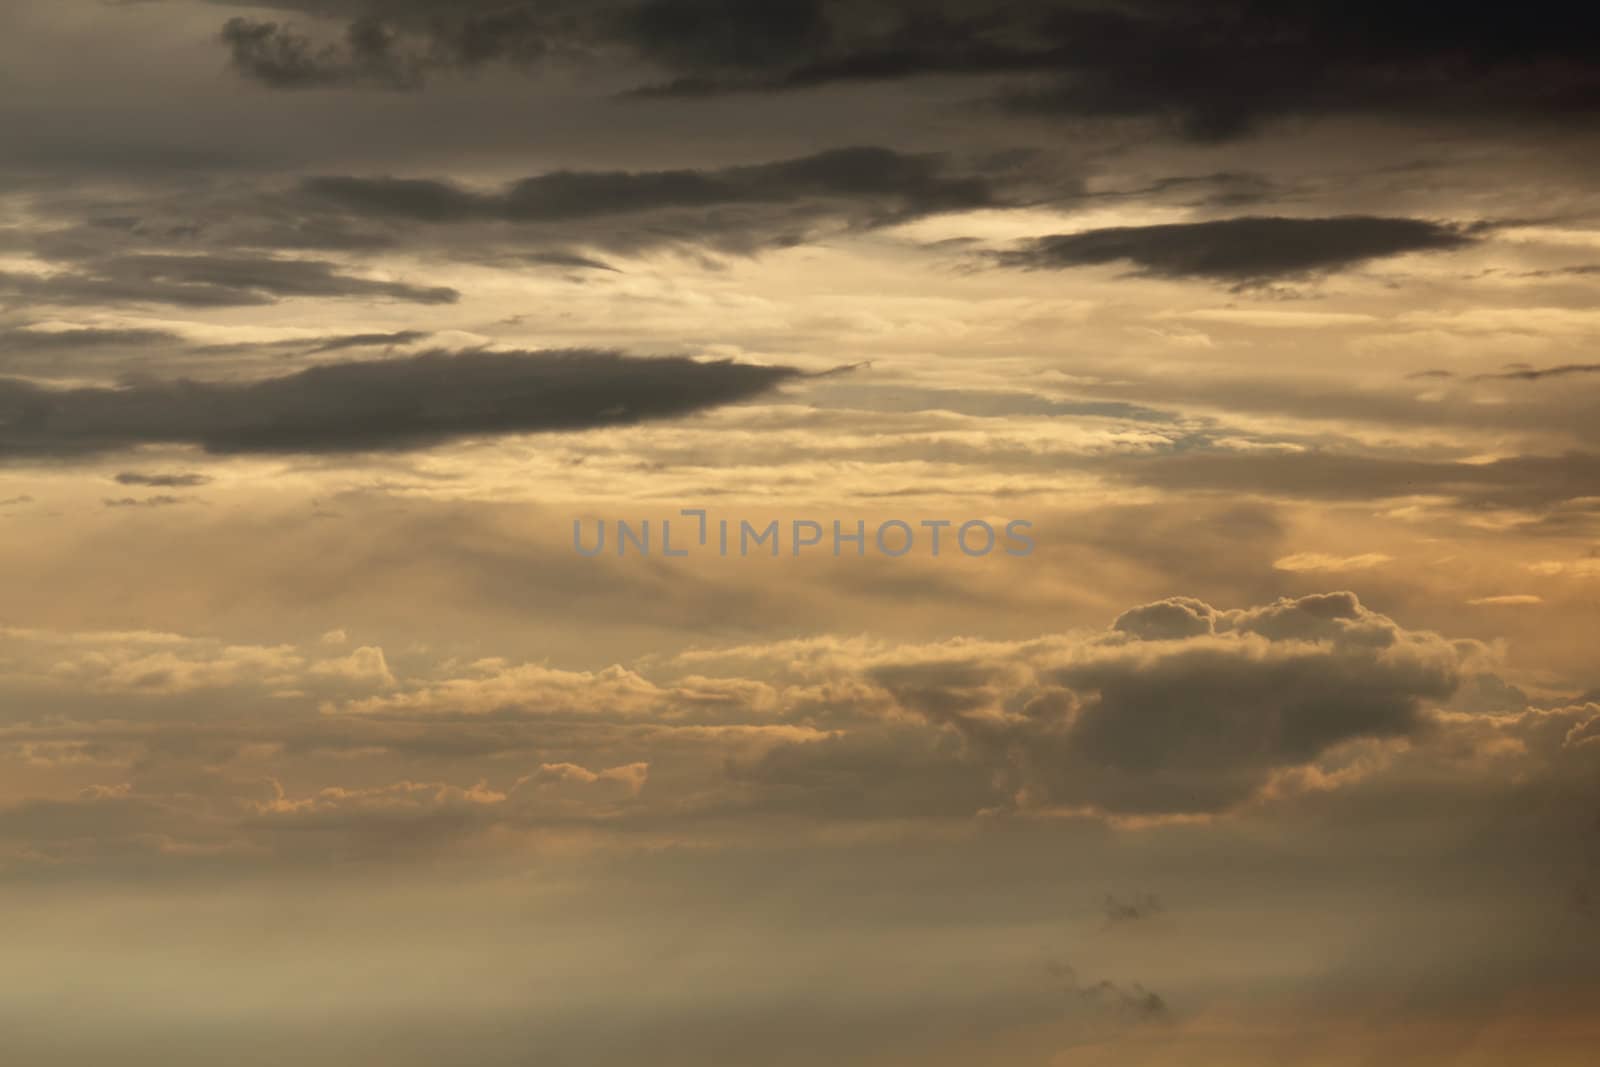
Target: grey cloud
x=29, y=340
x=1529, y=481
x=1243, y=251
x=1201, y=726
x=903, y=185
x=274, y=277
x=1101, y=723
x=195, y=247
x=373, y=405
x=147, y=502
x=369, y=340
x=568, y=259
x=1211, y=72
x=396, y=48
x=1199, y=722
x=1133, y=1000
x=283, y=58
x=1130, y=909
x=208, y=281
x=1180, y=708
x=1173, y=619
x=1534, y=374
x=163, y=481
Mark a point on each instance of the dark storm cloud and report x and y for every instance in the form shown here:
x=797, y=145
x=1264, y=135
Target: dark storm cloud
x=905, y=186
x=1245, y=251
x=206, y=281
x=1213, y=71
x=373, y=405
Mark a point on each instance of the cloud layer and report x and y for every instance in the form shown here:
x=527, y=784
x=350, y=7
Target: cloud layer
x=408, y=402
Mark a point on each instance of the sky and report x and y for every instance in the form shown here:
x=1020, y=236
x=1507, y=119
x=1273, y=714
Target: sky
x=1261, y=337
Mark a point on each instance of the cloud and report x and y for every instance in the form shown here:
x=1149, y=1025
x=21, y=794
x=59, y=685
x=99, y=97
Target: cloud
x=1179, y=709
x=392, y=54
x=206, y=281
x=1534, y=374
x=568, y=259
x=1318, y=561
x=282, y=58
x=1273, y=712
x=80, y=338
x=1527, y=482
x=375, y=405
x=147, y=502
x=163, y=481
x=365, y=666
x=1133, y=1001
x=1243, y=251
x=1507, y=600
x=368, y=340
x=1199, y=723
x=902, y=186
x=1210, y=72
x=1132, y=909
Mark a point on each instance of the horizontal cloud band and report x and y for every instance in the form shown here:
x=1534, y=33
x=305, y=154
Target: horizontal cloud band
x=376, y=405
x=1242, y=250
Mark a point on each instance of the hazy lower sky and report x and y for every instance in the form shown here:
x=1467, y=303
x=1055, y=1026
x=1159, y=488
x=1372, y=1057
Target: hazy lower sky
x=323, y=321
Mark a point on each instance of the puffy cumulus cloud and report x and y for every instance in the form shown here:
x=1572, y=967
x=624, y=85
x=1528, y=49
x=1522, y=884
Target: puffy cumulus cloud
x=1179, y=711
x=1243, y=252
x=567, y=788
x=1200, y=723
x=399, y=403
x=1179, y=708
x=1173, y=618
x=364, y=666
x=1514, y=780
